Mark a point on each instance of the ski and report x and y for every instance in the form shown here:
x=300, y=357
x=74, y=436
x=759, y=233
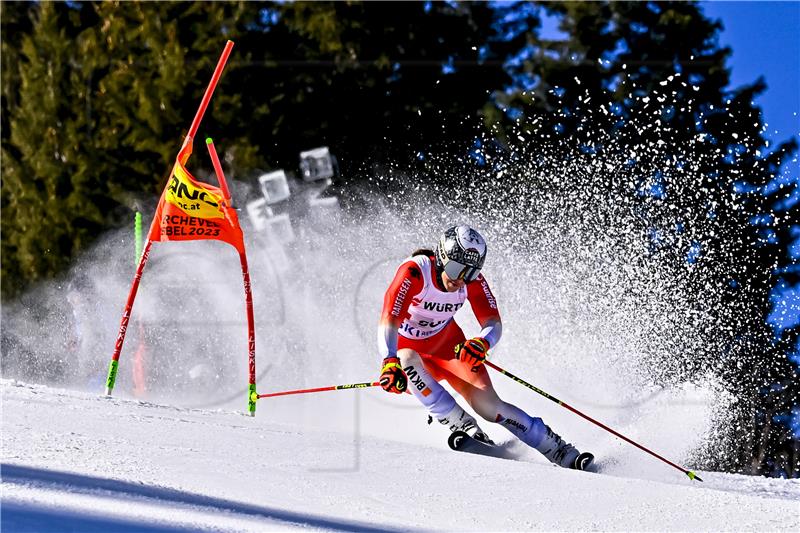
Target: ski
x=461, y=442
x=585, y=462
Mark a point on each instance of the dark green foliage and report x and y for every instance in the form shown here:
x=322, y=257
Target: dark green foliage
x=96, y=98
x=105, y=91
x=367, y=79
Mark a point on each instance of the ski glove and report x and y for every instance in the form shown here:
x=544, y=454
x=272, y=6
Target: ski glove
x=393, y=379
x=472, y=352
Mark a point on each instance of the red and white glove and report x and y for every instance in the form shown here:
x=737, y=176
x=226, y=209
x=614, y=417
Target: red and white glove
x=472, y=352
x=393, y=379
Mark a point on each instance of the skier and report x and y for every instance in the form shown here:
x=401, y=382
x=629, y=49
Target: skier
x=421, y=344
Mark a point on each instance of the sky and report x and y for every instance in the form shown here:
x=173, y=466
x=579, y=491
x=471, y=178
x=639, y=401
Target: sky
x=765, y=39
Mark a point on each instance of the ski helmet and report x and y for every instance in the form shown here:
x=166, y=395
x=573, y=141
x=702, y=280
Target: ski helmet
x=461, y=252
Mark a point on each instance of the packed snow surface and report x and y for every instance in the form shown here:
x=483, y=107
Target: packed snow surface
x=78, y=461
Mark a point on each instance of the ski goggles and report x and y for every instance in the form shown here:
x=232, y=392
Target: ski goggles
x=456, y=270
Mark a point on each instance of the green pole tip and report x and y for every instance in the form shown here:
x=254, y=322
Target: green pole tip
x=208, y=140
x=693, y=476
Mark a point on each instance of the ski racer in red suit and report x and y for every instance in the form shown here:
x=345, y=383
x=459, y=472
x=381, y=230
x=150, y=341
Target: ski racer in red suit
x=421, y=344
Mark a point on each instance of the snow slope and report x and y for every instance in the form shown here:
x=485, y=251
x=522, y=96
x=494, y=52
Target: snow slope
x=77, y=461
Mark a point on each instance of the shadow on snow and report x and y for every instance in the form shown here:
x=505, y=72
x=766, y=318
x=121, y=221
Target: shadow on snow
x=19, y=517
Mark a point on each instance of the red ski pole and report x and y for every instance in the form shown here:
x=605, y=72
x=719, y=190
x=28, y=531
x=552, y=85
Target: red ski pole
x=321, y=389
x=521, y=381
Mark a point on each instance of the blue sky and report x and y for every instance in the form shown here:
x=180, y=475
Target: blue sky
x=765, y=39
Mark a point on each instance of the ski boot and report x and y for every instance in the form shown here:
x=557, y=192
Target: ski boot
x=563, y=453
x=459, y=420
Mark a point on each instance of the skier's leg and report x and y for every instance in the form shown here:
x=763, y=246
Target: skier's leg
x=477, y=389
x=422, y=382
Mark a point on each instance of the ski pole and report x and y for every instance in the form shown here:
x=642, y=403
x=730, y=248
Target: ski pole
x=321, y=389
x=521, y=381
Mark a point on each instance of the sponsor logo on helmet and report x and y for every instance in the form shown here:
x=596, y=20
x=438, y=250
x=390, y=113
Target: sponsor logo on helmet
x=473, y=236
x=472, y=257
x=463, y=245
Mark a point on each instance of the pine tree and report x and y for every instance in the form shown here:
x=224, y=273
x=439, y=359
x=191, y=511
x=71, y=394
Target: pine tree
x=105, y=93
x=37, y=231
x=698, y=152
x=380, y=83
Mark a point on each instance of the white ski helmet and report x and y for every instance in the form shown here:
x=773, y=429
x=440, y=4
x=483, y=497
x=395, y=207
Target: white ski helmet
x=461, y=252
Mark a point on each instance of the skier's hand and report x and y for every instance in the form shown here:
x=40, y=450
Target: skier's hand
x=472, y=352
x=393, y=379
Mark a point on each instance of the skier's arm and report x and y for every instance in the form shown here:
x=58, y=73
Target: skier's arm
x=407, y=283
x=484, y=305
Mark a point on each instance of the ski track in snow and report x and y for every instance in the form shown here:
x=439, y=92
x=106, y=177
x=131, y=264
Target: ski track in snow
x=76, y=461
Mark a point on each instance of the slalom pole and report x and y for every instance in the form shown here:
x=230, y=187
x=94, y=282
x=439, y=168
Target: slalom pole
x=322, y=389
x=137, y=236
x=252, y=395
x=126, y=316
x=210, y=89
x=138, y=357
x=223, y=183
x=521, y=381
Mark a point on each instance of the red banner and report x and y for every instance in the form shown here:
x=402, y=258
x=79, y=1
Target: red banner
x=192, y=210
